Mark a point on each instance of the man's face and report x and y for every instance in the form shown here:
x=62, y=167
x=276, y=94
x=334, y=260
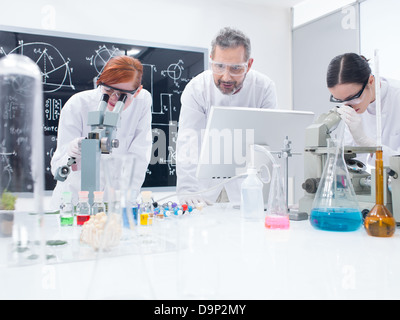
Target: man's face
x=229, y=69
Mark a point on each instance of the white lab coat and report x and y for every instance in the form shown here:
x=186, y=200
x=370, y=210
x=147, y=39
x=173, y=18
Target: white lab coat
x=390, y=105
x=199, y=95
x=134, y=135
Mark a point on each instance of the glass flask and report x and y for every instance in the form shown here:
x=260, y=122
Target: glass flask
x=379, y=222
x=22, y=154
x=335, y=206
x=277, y=216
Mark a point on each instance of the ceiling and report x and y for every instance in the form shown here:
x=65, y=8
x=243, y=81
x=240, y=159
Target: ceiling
x=274, y=3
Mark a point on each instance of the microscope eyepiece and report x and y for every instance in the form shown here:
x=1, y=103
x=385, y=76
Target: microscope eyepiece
x=123, y=97
x=105, y=97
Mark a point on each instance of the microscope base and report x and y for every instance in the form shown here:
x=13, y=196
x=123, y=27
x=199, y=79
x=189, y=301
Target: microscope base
x=298, y=216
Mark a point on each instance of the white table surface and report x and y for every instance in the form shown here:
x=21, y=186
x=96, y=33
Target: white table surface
x=214, y=255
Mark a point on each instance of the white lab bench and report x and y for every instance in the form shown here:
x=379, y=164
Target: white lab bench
x=211, y=254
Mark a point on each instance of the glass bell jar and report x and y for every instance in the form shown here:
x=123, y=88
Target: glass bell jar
x=22, y=153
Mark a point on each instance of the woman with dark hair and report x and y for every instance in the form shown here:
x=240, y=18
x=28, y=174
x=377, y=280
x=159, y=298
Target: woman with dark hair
x=351, y=84
x=121, y=75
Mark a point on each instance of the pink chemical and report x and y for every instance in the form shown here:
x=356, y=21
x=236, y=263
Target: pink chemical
x=277, y=222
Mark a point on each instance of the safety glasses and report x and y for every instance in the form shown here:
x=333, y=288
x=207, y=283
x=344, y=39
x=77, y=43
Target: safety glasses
x=117, y=92
x=234, y=69
x=354, y=99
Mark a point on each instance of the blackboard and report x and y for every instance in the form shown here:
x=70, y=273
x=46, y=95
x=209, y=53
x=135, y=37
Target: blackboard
x=70, y=63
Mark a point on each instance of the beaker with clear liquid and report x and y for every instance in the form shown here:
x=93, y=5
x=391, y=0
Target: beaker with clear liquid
x=335, y=206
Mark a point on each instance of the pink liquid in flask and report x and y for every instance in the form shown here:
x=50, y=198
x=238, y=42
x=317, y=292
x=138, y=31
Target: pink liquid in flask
x=277, y=222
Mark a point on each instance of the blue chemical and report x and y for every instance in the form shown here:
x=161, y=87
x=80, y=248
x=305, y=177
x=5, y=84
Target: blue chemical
x=135, y=215
x=336, y=219
x=125, y=219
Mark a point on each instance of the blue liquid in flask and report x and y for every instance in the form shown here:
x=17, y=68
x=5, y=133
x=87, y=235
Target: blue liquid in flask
x=336, y=219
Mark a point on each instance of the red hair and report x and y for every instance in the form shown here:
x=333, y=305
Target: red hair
x=122, y=69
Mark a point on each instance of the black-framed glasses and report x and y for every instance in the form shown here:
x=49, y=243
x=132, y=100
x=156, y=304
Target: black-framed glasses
x=117, y=92
x=356, y=96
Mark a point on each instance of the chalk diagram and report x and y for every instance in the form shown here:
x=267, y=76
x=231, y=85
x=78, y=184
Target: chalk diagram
x=14, y=138
x=53, y=109
x=169, y=152
x=55, y=69
x=148, y=79
x=50, y=152
x=175, y=72
x=101, y=56
x=7, y=168
x=21, y=85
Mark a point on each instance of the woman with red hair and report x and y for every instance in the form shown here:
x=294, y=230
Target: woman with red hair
x=121, y=75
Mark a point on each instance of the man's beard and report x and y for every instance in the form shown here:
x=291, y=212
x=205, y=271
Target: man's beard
x=229, y=87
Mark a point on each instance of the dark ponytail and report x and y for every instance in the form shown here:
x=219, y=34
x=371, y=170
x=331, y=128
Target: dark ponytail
x=348, y=68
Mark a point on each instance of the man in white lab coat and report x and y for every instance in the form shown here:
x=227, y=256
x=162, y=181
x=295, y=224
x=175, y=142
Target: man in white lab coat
x=121, y=74
x=229, y=82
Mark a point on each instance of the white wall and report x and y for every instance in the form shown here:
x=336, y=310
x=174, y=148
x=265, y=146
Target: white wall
x=176, y=22
x=309, y=10
x=380, y=25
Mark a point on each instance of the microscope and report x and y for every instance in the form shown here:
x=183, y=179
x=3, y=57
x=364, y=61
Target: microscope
x=315, y=156
x=100, y=140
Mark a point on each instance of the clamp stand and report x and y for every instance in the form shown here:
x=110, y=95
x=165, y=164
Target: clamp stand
x=286, y=154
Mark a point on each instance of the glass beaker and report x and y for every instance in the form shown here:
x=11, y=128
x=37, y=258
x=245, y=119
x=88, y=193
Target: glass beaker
x=119, y=172
x=335, y=206
x=277, y=216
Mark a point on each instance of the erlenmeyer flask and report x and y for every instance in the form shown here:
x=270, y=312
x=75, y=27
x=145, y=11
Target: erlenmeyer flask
x=277, y=216
x=335, y=206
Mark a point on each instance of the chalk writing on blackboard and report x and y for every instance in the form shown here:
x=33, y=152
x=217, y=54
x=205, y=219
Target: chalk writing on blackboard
x=55, y=69
x=101, y=56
